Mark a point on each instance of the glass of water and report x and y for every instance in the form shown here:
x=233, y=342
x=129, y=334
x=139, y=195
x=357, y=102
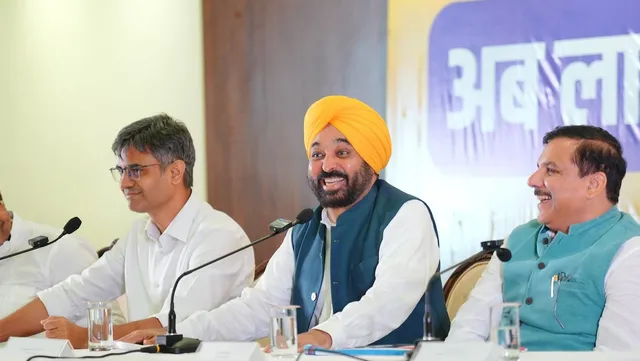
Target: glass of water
x=283, y=336
x=100, y=326
x=505, y=330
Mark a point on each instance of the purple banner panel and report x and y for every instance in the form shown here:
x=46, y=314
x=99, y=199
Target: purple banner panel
x=502, y=73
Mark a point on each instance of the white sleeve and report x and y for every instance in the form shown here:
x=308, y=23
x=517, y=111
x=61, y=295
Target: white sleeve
x=409, y=255
x=247, y=317
x=103, y=280
x=216, y=283
x=619, y=326
x=472, y=322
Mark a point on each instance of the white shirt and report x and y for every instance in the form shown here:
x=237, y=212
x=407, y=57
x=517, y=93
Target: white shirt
x=409, y=255
x=619, y=326
x=23, y=276
x=324, y=307
x=145, y=264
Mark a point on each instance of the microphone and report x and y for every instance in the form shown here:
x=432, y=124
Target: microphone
x=71, y=226
x=177, y=344
x=503, y=254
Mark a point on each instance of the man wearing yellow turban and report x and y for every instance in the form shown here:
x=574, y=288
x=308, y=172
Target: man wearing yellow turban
x=364, y=128
x=380, y=244
x=359, y=269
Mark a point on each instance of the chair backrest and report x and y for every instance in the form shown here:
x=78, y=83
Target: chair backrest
x=259, y=270
x=263, y=342
x=462, y=280
x=103, y=250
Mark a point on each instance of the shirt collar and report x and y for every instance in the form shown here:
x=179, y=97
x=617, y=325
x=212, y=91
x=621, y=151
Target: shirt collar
x=180, y=225
x=325, y=218
x=613, y=214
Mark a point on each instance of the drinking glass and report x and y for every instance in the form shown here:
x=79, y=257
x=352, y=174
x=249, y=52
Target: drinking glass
x=283, y=336
x=505, y=330
x=100, y=326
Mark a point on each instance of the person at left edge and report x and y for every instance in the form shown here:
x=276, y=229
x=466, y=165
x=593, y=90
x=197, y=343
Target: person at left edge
x=155, y=159
x=27, y=274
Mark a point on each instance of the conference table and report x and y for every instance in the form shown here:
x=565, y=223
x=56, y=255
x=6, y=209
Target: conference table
x=525, y=356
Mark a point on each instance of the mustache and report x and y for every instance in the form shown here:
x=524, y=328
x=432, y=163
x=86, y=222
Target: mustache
x=332, y=174
x=539, y=192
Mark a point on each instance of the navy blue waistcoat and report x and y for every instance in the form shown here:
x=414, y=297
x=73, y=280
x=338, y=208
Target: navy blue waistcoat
x=355, y=246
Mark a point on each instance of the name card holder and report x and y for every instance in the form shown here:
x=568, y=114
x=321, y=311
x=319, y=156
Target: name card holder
x=39, y=346
x=229, y=351
x=459, y=351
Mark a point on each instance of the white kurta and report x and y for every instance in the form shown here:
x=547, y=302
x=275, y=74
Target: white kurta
x=409, y=255
x=145, y=264
x=25, y=275
x=619, y=327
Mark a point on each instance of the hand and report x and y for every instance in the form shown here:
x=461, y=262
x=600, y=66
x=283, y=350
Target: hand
x=316, y=338
x=313, y=337
x=62, y=328
x=146, y=337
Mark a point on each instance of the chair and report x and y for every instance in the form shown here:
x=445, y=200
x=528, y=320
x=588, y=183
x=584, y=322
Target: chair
x=259, y=270
x=103, y=250
x=263, y=342
x=461, y=282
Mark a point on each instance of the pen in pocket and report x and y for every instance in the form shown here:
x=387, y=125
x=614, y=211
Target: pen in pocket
x=554, y=279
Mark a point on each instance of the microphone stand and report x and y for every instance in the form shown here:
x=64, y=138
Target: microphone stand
x=175, y=343
x=71, y=226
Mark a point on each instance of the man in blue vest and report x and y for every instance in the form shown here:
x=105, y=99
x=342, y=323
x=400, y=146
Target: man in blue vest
x=574, y=270
x=359, y=269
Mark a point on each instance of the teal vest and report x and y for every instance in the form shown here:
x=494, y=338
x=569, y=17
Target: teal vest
x=354, y=256
x=581, y=258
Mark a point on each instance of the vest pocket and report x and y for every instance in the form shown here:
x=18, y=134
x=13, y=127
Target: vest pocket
x=578, y=307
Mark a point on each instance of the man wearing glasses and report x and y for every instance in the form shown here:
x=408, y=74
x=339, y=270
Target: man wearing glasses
x=574, y=270
x=156, y=157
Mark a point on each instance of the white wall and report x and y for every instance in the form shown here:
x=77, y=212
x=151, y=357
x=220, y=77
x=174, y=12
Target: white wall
x=72, y=73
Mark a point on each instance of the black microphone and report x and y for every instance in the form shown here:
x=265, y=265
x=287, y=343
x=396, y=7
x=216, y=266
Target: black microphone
x=503, y=254
x=177, y=344
x=42, y=241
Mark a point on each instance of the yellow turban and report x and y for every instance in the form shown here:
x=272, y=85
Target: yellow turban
x=364, y=127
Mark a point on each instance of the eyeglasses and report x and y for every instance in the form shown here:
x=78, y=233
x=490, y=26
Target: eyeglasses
x=133, y=171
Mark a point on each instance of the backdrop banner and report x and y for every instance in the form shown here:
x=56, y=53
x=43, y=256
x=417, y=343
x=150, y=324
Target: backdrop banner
x=473, y=87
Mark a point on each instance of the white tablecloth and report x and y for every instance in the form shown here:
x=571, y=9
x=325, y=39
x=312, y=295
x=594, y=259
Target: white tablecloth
x=6, y=355
x=526, y=356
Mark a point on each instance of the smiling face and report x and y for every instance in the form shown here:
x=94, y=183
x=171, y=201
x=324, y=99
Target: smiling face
x=154, y=187
x=563, y=195
x=337, y=175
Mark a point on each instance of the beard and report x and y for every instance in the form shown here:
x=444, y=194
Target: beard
x=341, y=198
